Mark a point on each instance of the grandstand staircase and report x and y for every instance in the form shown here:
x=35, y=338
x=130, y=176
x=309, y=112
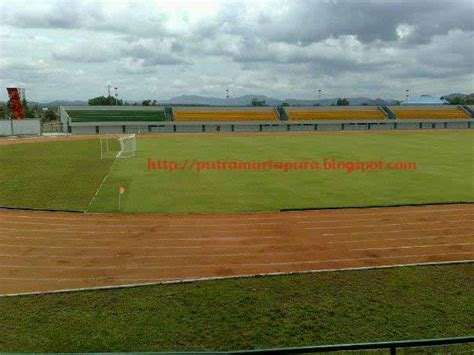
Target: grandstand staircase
x=467, y=109
x=388, y=113
x=281, y=113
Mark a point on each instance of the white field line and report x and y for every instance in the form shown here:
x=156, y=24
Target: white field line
x=397, y=231
x=155, y=282
x=354, y=213
x=102, y=183
x=230, y=265
x=393, y=224
x=414, y=246
x=400, y=238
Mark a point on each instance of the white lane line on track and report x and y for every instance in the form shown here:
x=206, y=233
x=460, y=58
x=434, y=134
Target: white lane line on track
x=164, y=225
x=393, y=224
x=243, y=265
x=79, y=231
x=281, y=215
x=380, y=220
x=226, y=229
x=397, y=231
x=147, y=247
x=161, y=225
x=414, y=246
x=401, y=238
x=65, y=231
x=216, y=239
x=125, y=257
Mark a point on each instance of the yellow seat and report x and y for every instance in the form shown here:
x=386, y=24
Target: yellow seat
x=429, y=114
x=183, y=116
x=336, y=115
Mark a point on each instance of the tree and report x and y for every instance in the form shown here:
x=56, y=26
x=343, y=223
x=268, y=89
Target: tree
x=26, y=110
x=458, y=100
x=285, y=104
x=50, y=115
x=105, y=101
x=342, y=102
x=3, y=111
x=146, y=102
x=256, y=102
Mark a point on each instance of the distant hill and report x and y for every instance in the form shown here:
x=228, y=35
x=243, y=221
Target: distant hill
x=246, y=100
x=56, y=103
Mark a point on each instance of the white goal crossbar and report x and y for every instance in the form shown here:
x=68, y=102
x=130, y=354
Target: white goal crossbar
x=126, y=147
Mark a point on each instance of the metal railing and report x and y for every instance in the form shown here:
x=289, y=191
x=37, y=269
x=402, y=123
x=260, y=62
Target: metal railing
x=386, y=345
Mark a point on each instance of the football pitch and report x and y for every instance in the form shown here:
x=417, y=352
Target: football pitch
x=70, y=174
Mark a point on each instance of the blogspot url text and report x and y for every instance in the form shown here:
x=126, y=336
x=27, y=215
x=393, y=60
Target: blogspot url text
x=326, y=164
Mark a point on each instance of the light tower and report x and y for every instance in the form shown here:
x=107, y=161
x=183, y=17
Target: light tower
x=407, y=95
x=226, y=93
x=116, y=96
x=319, y=92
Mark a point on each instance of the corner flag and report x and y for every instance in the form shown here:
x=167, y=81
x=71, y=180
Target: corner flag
x=121, y=190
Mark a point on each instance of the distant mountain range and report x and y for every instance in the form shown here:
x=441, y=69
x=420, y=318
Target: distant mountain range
x=245, y=101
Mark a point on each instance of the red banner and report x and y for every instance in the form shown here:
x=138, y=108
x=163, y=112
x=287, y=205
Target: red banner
x=15, y=104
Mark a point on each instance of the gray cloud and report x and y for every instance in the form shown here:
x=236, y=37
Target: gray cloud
x=280, y=48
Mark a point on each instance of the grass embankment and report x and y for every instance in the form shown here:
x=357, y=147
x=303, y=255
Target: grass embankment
x=265, y=312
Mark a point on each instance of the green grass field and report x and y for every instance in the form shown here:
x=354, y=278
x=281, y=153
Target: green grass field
x=265, y=312
x=51, y=175
x=444, y=164
x=117, y=116
x=66, y=175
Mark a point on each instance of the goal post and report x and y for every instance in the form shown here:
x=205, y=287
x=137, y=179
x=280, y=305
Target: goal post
x=118, y=147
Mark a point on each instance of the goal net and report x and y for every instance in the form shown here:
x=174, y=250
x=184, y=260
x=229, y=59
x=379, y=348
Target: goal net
x=118, y=147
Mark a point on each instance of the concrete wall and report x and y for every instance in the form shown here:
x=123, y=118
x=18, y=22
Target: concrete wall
x=283, y=126
x=110, y=129
x=83, y=130
x=20, y=127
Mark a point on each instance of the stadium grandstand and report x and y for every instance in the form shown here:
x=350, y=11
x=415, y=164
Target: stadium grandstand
x=430, y=112
x=110, y=119
x=115, y=115
x=335, y=113
x=181, y=119
x=224, y=114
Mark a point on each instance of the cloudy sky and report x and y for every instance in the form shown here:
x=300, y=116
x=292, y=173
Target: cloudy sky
x=154, y=49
